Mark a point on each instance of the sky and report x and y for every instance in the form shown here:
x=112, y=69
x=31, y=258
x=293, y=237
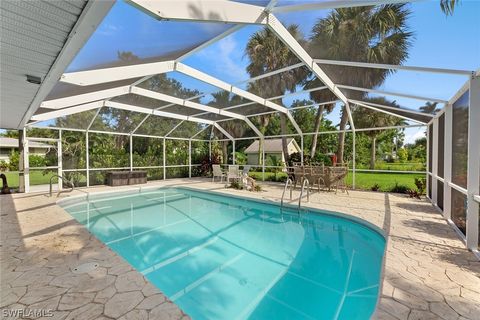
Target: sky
x=440, y=41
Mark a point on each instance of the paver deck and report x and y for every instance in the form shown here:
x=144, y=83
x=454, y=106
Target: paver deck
x=428, y=273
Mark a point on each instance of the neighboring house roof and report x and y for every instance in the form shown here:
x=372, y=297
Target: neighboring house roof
x=271, y=145
x=13, y=143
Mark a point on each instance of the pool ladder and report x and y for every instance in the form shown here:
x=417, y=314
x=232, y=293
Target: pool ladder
x=305, y=183
x=72, y=186
x=289, y=182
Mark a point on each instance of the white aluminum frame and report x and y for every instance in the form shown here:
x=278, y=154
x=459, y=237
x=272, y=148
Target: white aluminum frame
x=244, y=14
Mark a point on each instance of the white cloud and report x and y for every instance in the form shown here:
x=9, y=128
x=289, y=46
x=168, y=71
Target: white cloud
x=226, y=56
x=413, y=134
x=108, y=29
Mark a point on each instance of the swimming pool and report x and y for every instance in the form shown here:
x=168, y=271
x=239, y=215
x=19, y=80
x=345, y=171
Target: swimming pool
x=224, y=257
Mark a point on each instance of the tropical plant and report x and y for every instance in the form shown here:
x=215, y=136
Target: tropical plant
x=421, y=184
x=448, y=6
x=430, y=107
x=374, y=34
x=276, y=163
x=268, y=53
x=318, y=120
x=3, y=165
x=367, y=118
x=399, y=188
x=235, y=128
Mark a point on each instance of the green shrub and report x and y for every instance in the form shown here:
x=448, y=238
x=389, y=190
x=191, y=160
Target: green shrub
x=296, y=157
x=3, y=165
x=240, y=158
x=236, y=185
x=13, y=160
x=322, y=158
x=399, y=188
x=421, y=184
x=35, y=160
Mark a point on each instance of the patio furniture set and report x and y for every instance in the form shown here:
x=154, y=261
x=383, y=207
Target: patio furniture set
x=324, y=177
x=234, y=174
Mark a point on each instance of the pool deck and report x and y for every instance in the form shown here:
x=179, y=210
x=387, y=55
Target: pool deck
x=428, y=272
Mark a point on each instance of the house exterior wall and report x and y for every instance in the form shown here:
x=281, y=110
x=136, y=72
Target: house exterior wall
x=292, y=149
x=252, y=158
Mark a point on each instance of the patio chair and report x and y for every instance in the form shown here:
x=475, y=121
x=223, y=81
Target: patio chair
x=233, y=173
x=317, y=176
x=299, y=175
x=338, y=175
x=246, y=170
x=217, y=172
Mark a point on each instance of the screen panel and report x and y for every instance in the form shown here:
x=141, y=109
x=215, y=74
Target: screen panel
x=460, y=140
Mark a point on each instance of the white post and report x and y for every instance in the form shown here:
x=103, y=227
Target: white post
x=60, y=160
x=233, y=152
x=87, y=158
x=473, y=164
x=164, y=161
x=447, y=158
x=263, y=159
x=434, y=161
x=428, y=160
x=353, y=159
x=131, y=153
x=190, y=158
x=210, y=150
x=301, y=153
x=26, y=162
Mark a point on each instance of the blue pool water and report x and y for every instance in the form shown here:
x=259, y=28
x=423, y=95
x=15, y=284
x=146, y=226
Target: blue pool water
x=221, y=257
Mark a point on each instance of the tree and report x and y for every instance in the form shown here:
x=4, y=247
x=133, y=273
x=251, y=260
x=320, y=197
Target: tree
x=9, y=134
x=235, y=128
x=318, y=120
x=268, y=53
x=402, y=155
x=367, y=34
x=430, y=107
x=448, y=6
x=367, y=118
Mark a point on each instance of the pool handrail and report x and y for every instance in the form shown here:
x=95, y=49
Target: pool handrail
x=72, y=186
x=287, y=183
x=305, y=182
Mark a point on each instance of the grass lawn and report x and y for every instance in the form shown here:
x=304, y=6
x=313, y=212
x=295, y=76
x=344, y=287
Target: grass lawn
x=36, y=177
x=363, y=180
x=386, y=181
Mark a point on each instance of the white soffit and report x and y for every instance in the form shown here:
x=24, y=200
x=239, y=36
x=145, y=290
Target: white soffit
x=40, y=38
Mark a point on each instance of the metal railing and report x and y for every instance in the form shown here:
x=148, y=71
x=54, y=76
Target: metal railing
x=287, y=183
x=307, y=183
x=72, y=186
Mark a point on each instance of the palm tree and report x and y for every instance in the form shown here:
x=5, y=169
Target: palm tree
x=430, y=107
x=318, y=120
x=448, y=6
x=234, y=128
x=367, y=118
x=268, y=53
x=367, y=34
